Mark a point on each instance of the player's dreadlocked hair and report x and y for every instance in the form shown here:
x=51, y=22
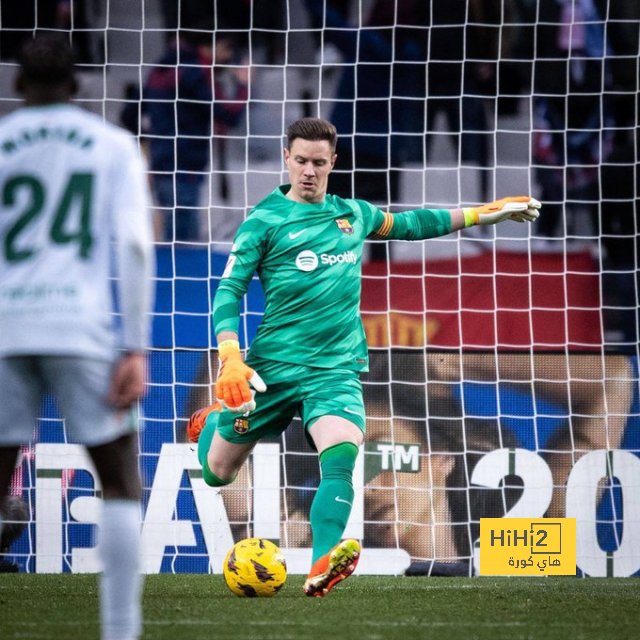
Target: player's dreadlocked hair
x=312, y=129
x=47, y=59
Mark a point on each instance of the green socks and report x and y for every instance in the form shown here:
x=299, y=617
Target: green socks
x=332, y=505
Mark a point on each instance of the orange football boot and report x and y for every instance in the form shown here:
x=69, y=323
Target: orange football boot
x=333, y=567
x=197, y=420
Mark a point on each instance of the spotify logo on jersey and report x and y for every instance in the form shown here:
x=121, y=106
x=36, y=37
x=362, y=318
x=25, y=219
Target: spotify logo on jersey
x=307, y=261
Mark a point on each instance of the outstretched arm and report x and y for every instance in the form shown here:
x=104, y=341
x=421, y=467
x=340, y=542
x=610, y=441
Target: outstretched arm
x=421, y=224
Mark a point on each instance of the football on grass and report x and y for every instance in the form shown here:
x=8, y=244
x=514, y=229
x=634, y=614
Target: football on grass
x=255, y=568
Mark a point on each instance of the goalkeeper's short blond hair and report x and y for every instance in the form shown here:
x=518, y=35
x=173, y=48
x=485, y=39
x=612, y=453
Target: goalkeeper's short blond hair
x=312, y=129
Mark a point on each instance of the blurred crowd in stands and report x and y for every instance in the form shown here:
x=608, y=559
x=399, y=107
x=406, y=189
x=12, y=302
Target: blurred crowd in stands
x=400, y=65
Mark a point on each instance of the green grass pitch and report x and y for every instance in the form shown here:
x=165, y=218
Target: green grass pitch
x=198, y=606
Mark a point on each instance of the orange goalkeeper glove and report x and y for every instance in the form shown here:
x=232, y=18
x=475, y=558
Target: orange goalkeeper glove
x=232, y=387
x=519, y=208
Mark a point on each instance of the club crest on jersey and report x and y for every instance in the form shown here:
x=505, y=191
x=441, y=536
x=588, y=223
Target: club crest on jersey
x=241, y=425
x=344, y=225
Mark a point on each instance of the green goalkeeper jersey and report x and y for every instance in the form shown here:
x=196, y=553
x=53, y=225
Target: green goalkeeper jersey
x=308, y=258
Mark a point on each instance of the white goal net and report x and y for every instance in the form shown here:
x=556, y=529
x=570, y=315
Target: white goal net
x=504, y=376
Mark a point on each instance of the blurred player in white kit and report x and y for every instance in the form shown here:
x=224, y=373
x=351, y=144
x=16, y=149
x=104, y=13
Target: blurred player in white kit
x=75, y=215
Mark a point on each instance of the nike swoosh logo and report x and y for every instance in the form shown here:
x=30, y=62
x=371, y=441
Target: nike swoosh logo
x=339, y=499
x=355, y=413
x=293, y=236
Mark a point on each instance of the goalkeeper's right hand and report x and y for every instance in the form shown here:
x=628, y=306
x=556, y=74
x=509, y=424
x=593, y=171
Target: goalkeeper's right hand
x=232, y=386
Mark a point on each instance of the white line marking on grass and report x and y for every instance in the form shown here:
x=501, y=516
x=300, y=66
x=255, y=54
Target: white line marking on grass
x=278, y=628
x=352, y=623
x=308, y=623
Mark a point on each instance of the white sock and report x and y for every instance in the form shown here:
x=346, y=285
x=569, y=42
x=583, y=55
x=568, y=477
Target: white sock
x=121, y=581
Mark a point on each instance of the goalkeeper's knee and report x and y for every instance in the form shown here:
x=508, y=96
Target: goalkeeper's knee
x=212, y=479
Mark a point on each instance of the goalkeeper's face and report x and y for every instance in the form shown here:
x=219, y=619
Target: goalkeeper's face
x=309, y=163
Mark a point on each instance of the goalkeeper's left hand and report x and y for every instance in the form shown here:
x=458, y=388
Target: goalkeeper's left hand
x=518, y=208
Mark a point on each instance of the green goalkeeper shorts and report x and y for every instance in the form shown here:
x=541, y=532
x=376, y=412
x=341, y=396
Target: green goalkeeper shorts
x=294, y=389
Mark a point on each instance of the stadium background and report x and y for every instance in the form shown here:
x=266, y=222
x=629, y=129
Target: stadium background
x=470, y=294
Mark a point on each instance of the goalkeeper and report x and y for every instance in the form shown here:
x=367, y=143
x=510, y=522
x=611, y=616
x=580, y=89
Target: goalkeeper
x=306, y=247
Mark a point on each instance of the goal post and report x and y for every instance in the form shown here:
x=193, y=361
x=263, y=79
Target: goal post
x=504, y=375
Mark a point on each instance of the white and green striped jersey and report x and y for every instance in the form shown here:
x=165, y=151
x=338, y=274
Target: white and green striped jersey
x=74, y=212
x=308, y=258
